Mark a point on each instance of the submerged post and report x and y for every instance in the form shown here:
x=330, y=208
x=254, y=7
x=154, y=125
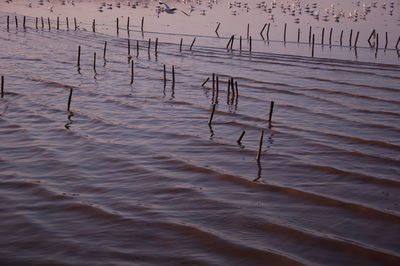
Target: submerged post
x=94, y=25
x=79, y=56
x=284, y=33
x=8, y=23
x=105, y=49
x=48, y=22
x=241, y=137
x=355, y=43
x=23, y=23
x=312, y=48
x=323, y=35
x=309, y=35
x=131, y=72
x=341, y=38
x=351, y=35
x=76, y=26
x=137, y=48
x=260, y=145
x=298, y=35
x=180, y=45
x=192, y=44
x=156, y=47
x=165, y=77
x=2, y=86
x=330, y=37
x=173, y=76
x=67, y=23
x=269, y=24
x=142, y=23
x=271, y=109
x=117, y=26
x=211, y=114
x=386, y=44
x=58, y=23
x=94, y=62
x=69, y=99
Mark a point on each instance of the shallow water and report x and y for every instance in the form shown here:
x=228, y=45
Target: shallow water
x=134, y=174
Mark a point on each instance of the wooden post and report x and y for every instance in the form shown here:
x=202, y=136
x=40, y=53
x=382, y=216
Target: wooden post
x=217, y=90
x=79, y=57
x=216, y=30
x=127, y=25
x=41, y=18
x=271, y=109
x=260, y=145
x=323, y=35
x=2, y=86
x=397, y=44
x=23, y=23
x=94, y=25
x=241, y=137
x=105, y=49
x=341, y=38
x=284, y=33
x=386, y=44
x=309, y=35
x=156, y=47
x=142, y=23
x=355, y=43
x=298, y=35
x=269, y=24
x=69, y=99
x=67, y=23
x=148, y=47
x=16, y=22
x=211, y=115
x=129, y=47
x=173, y=76
x=377, y=44
x=204, y=83
x=180, y=45
x=192, y=44
x=240, y=43
x=351, y=35
x=248, y=31
x=312, y=49
x=48, y=22
x=76, y=26
x=228, y=91
x=213, y=81
x=250, y=45
x=36, y=23
x=8, y=23
x=233, y=38
x=262, y=30
x=137, y=48
x=94, y=62
x=330, y=37
x=131, y=72
x=58, y=23
x=165, y=77
x=117, y=26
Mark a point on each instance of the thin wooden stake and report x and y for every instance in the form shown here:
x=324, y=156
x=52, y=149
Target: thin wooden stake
x=248, y=31
x=2, y=86
x=351, y=35
x=228, y=91
x=216, y=30
x=131, y=72
x=142, y=23
x=386, y=44
x=165, y=77
x=341, y=38
x=211, y=115
x=79, y=56
x=23, y=23
x=156, y=46
x=355, y=43
x=129, y=47
x=217, y=89
x=127, y=25
x=192, y=44
x=370, y=36
x=397, y=44
x=36, y=23
x=269, y=24
x=312, y=49
x=213, y=81
x=298, y=35
x=377, y=44
x=241, y=137
x=262, y=30
x=137, y=48
x=67, y=23
x=117, y=26
x=271, y=109
x=330, y=37
x=180, y=45
x=260, y=145
x=48, y=22
x=204, y=83
x=94, y=62
x=309, y=35
x=94, y=25
x=76, y=26
x=173, y=76
x=105, y=49
x=236, y=89
x=284, y=33
x=250, y=45
x=148, y=47
x=16, y=22
x=8, y=23
x=41, y=18
x=240, y=43
x=58, y=23
x=69, y=99
x=323, y=36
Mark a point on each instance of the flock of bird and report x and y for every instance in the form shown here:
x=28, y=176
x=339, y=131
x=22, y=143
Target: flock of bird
x=293, y=8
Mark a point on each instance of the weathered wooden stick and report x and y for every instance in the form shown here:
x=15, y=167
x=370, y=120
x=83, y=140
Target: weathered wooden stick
x=269, y=24
x=127, y=25
x=217, y=90
x=284, y=33
x=142, y=23
x=36, y=23
x=23, y=23
x=165, y=77
x=156, y=47
x=58, y=23
x=129, y=47
x=76, y=26
x=148, y=47
x=397, y=44
x=8, y=23
x=298, y=35
x=117, y=26
x=192, y=44
x=204, y=83
x=330, y=37
x=240, y=43
x=137, y=48
x=94, y=62
x=241, y=137
x=312, y=49
x=236, y=89
x=351, y=35
x=229, y=42
x=370, y=36
x=323, y=35
x=233, y=38
x=386, y=44
x=105, y=49
x=180, y=45
x=377, y=44
x=355, y=43
x=262, y=30
x=67, y=23
x=69, y=99
x=94, y=25
x=233, y=90
x=248, y=31
x=260, y=145
x=41, y=18
x=211, y=115
x=131, y=72
x=2, y=86
x=309, y=35
x=228, y=91
x=16, y=22
x=213, y=81
x=341, y=38
x=79, y=56
x=173, y=76
x=48, y=22
x=216, y=30
x=271, y=109
x=250, y=45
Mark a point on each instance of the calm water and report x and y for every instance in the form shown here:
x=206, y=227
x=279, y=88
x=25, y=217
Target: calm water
x=134, y=174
